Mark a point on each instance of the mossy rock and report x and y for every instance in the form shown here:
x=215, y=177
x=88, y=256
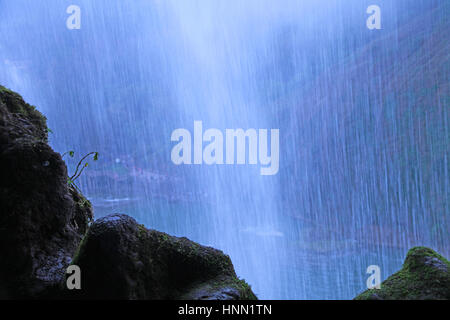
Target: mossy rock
x=120, y=259
x=425, y=276
x=42, y=219
x=22, y=118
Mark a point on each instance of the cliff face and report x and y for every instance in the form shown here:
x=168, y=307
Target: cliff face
x=42, y=220
x=375, y=126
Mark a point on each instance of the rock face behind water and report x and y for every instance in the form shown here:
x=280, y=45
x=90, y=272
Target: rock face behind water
x=120, y=259
x=42, y=220
x=425, y=276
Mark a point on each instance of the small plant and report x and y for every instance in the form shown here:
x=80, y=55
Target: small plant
x=80, y=167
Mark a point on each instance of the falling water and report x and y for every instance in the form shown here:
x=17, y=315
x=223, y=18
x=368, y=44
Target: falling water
x=362, y=114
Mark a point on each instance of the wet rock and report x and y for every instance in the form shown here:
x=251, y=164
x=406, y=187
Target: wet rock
x=42, y=220
x=120, y=259
x=425, y=276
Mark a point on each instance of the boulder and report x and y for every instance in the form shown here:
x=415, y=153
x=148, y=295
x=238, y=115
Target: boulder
x=425, y=276
x=120, y=259
x=42, y=219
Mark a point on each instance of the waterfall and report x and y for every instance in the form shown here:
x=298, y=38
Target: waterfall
x=361, y=114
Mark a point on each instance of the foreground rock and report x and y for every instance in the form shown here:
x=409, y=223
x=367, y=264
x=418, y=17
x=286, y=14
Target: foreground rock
x=425, y=276
x=42, y=220
x=120, y=259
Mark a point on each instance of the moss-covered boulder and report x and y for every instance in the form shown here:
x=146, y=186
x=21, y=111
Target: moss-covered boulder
x=18, y=119
x=425, y=276
x=120, y=259
x=41, y=219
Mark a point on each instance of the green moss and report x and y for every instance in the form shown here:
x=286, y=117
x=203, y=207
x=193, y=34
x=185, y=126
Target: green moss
x=416, y=256
x=424, y=275
x=5, y=90
x=84, y=203
x=16, y=105
x=142, y=231
x=244, y=289
x=80, y=249
x=165, y=237
x=187, y=249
